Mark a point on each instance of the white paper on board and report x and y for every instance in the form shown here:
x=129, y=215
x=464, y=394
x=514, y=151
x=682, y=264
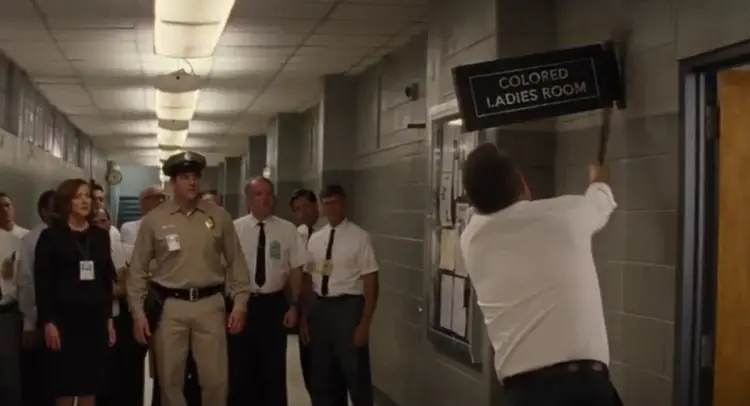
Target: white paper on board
x=459, y=311
x=446, y=301
x=448, y=242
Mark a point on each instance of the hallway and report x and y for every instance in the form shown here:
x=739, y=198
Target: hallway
x=295, y=384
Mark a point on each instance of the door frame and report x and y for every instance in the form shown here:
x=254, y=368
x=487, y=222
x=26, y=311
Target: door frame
x=697, y=261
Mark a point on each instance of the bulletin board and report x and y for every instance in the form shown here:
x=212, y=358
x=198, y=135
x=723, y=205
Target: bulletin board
x=455, y=325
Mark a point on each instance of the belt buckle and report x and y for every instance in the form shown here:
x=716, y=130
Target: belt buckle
x=192, y=294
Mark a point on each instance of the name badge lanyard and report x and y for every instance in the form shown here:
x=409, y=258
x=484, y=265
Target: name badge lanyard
x=85, y=248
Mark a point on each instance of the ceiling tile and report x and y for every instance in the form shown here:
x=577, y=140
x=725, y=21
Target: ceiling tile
x=375, y=12
x=315, y=52
x=261, y=39
x=134, y=126
x=111, y=98
x=244, y=82
x=322, y=67
x=20, y=50
x=208, y=127
x=367, y=41
x=235, y=68
x=108, y=68
x=13, y=9
x=69, y=95
x=250, y=124
x=27, y=29
x=253, y=52
x=270, y=25
x=92, y=125
x=281, y=9
x=37, y=67
x=101, y=34
x=93, y=22
x=90, y=7
x=224, y=101
x=349, y=27
x=97, y=49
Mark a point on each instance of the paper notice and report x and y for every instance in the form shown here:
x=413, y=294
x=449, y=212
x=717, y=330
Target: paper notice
x=445, y=202
x=446, y=301
x=448, y=242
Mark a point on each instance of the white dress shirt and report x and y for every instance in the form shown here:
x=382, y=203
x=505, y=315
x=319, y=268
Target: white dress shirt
x=26, y=293
x=129, y=231
x=352, y=257
x=114, y=233
x=535, y=279
x=10, y=242
x=285, y=250
x=303, y=231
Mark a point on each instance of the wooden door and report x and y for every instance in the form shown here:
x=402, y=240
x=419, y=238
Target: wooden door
x=732, y=351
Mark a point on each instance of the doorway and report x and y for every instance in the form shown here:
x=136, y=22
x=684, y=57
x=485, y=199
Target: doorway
x=712, y=362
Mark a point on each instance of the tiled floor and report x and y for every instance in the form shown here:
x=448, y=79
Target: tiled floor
x=295, y=384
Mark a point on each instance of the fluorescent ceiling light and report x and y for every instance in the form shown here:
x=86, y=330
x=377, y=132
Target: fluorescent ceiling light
x=456, y=123
x=169, y=138
x=176, y=106
x=189, y=28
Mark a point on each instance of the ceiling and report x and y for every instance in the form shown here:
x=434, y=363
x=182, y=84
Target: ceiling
x=95, y=61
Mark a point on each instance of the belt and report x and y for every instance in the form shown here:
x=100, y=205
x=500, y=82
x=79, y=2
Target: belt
x=339, y=297
x=267, y=294
x=190, y=294
x=8, y=307
x=555, y=370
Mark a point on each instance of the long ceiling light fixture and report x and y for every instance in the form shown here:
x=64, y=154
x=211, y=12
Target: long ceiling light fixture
x=189, y=28
x=176, y=106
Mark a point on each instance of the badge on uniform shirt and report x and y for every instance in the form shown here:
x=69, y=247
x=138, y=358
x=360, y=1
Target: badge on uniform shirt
x=274, y=250
x=326, y=267
x=173, y=242
x=210, y=223
x=86, y=270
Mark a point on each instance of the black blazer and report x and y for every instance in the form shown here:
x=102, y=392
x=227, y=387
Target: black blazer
x=57, y=276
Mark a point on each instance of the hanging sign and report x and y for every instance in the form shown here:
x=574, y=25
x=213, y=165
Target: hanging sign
x=506, y=91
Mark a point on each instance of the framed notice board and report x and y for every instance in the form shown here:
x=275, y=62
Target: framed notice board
x=455, y=324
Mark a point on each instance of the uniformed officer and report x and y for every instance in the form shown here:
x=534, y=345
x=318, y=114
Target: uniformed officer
x=187, y=238
x=275, y=254
x=343, y=275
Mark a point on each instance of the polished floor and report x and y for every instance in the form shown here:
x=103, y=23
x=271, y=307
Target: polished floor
x=295, y=384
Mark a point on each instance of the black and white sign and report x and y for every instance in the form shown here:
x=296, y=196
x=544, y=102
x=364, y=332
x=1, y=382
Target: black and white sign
x=506, y=91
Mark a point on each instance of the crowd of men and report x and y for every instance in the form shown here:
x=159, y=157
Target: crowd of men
x=206, y=299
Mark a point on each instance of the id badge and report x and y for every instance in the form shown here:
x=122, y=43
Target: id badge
x=173, y=242
x=326, y=267
x=274, y=250
x=86, y=270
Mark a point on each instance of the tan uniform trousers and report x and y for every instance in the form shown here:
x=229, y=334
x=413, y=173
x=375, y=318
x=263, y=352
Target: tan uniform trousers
x=202, y=323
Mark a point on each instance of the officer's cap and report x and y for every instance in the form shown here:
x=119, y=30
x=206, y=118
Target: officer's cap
x=184, y=162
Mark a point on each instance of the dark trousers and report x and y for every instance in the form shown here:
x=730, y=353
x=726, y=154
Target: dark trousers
x=34, y=391
x=579, y=383
x=337, y=384
x=333, y=321
x=192, y=389
x=257, y=356
x=129, y=359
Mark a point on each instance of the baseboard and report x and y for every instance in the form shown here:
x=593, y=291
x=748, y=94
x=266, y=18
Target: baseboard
x=382, y=398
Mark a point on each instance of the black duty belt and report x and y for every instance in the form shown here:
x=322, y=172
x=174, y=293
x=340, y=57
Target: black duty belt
x=9, y=307
x=556, y=370
x=190, y=294
x=267, y=294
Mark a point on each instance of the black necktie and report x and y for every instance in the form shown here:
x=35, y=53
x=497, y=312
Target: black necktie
x=260, y=257
x=309, y=232
x=329, y=252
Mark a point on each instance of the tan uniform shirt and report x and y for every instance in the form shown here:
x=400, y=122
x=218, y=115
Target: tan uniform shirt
x=188, y=249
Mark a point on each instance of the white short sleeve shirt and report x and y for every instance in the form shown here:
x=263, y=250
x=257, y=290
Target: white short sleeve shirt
x=533, y=271
x=352, y=257
x=285, y=250
x=10, y=242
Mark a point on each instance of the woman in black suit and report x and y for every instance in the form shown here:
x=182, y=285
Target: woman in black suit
x=74, y=278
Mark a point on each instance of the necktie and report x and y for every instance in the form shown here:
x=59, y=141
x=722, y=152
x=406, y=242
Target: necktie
x=260, y=257
x=309, y=232
x=329, y=252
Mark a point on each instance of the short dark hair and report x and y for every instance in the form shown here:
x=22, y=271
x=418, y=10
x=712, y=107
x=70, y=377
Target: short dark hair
x=66, y=192
x=3, y=194
x=491, y=180
x=95, y=186
x=307, y=194
x=47, y=197
x=333, y=190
